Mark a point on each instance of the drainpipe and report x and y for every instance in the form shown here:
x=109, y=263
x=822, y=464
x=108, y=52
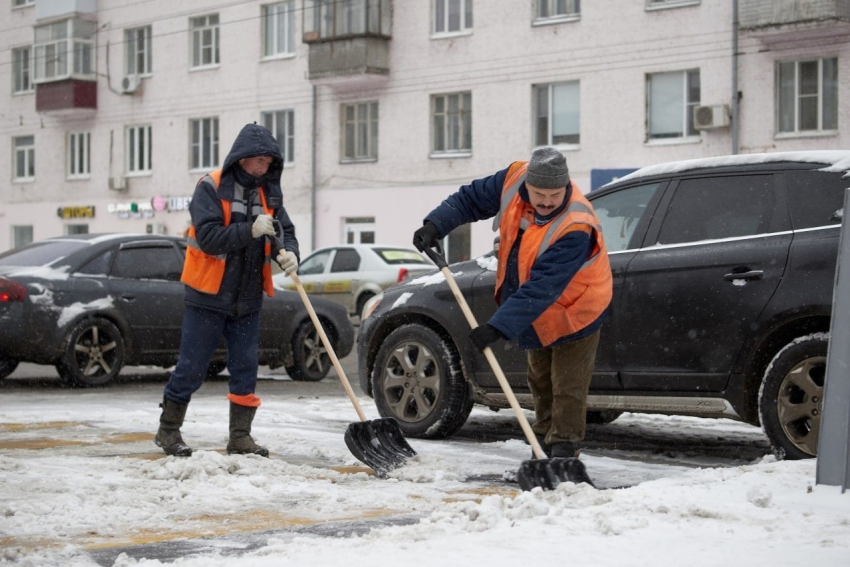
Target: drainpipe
x=313, y=173
x=735, y=77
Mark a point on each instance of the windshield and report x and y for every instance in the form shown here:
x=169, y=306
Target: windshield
x=401, y=256
x=40, y=253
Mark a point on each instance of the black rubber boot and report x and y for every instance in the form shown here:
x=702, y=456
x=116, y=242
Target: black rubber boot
x=564, y=450
x=543, y=445
x=168, y=437
x=241, y=442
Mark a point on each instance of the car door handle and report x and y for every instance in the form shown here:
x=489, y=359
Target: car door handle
x=128, y=298
x=751, y=275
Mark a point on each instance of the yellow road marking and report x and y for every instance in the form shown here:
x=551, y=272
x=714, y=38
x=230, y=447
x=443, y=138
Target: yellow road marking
x=43, y=425
x=47, y=443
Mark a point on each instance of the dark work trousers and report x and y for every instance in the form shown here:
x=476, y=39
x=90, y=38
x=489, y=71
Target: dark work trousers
x=559, y=378
x=202, y=330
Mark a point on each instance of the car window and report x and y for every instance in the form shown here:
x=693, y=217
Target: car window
x=400, y=256
x=815, y=198
x=346, y=260
x=99, y=266
x=147, y=263
x=315, y=264
x=719, y=207
x=40, y=253
x=620, y=212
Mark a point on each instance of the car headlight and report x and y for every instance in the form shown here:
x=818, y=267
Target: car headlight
x=370, y=306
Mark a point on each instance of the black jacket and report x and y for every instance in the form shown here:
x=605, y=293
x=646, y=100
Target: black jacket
x=241, y=290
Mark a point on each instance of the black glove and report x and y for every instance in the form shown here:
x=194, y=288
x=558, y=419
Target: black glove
x=426, y=237
x=485, y=335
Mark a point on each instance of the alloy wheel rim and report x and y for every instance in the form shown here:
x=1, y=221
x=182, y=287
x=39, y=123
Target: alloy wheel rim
x=315, y=354
x=411, y=382
x=95, y=352
x=799, y=404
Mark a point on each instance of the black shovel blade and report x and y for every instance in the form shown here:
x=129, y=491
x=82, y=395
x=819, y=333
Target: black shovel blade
x=549, y=473
x=379, y=444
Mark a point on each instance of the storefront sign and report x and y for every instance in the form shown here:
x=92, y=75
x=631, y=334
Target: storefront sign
x=75, y=212
x=148, y=209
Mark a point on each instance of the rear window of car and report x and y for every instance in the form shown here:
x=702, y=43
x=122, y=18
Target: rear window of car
x=400, y=256
x=815, y=198
x=40, y=253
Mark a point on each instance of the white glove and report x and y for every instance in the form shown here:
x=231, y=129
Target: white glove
x=262, y=226
x=288, y=261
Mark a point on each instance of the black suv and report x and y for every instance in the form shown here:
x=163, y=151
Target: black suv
x=723, y=278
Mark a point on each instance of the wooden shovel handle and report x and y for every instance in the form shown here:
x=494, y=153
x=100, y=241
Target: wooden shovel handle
x=497, y=369
x=337, y=366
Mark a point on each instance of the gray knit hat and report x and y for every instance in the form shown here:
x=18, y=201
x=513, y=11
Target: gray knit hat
x=547, y=169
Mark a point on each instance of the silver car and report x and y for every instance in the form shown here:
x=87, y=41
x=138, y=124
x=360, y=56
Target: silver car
x=351, y=274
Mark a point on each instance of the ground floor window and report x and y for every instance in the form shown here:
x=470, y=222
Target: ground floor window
x=76, y=229
x=359, y=230
x=459, y=244
x=21, y=235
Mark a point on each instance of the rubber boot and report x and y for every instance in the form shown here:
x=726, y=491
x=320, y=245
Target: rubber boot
x=543, y=445
x=564, y=450
x=241, y=442
x=168, y=437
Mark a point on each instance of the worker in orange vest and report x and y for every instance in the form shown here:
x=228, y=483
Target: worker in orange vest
x=553, y=283
x=226, y=271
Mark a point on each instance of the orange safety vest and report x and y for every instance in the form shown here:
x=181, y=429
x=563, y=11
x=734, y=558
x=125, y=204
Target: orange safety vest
x=589, y=292
x=204, y=272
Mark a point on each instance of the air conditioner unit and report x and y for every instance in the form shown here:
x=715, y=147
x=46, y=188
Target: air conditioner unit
x=118, y=183
x=714, y=116
x=130, y=84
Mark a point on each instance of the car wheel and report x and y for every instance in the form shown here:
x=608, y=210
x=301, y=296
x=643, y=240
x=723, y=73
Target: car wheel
x=361, y=301
x=791, y=397
x=602, y=417
x=94, y=353
x=215, y=368
x=7, y=367
x=417, y=380
x=312, y=362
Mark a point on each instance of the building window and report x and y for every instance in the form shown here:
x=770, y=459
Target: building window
x=22, y=70
x=452, y=123
x=807, y=93
x=660, y=4
x=279, y=29
x=139, y=149
x=360, y=131
x=671, y=98
x=63, y=49
x=22, y=3
x=204, y=143
x=76, y=229
x=24, y=158
x=79, y=154
x=205, y=41
x=138, y=47
x=21, y=235
x=557, y=113
x=281, y=123
x=326, y=19
x=557, y=9
x=452, y=16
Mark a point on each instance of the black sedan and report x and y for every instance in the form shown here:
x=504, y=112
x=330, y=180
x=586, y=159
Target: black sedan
x=723, y=279
x=91, y=304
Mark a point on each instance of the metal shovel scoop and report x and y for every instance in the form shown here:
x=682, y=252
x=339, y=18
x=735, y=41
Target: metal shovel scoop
x=543, y=472
x=377, y=443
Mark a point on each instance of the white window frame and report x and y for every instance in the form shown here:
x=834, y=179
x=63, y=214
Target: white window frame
x=286, y=139
x=550, y=117
x=796, y=131
x=138, y=156
x=689, y=132
x=138, y=52
x=440, y=18
x=198, y=46
x=557, y=11
x=464, y=118
x=276, y=17
x=17, y=4
x=666, y=4
x=79, y=155
x=362, y=126
x=18, y=231
x=203, y=143
x=28, y=152
x=64, y=49
x=22, y=70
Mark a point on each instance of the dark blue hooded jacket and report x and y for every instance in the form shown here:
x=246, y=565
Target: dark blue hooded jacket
x=241, y=290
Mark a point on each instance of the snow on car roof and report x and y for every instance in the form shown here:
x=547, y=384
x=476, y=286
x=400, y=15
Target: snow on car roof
x=835, y=160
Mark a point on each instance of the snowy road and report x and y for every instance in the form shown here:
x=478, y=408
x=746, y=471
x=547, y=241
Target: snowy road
x=83, y=484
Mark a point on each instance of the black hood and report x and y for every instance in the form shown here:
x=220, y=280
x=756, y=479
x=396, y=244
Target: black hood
x=253, y=141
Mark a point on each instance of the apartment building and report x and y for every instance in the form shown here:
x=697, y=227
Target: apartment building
x=113, y=109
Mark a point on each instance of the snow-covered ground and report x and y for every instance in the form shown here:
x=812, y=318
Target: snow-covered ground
x=82, y=481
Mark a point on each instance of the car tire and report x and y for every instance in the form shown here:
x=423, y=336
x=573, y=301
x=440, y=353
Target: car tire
x=311, y=360
x=415, y=352
x=7, y=367
x=791, y=397
x=215, y=368
x=361, y=301
x=602, y=417
x=94, y=353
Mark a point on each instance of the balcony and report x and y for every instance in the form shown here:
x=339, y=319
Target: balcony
x=349, y=41
x=792, y=20
x=64, y=73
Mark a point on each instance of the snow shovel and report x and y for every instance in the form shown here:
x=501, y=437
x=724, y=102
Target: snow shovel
x=378, y=443
x=544, y=472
